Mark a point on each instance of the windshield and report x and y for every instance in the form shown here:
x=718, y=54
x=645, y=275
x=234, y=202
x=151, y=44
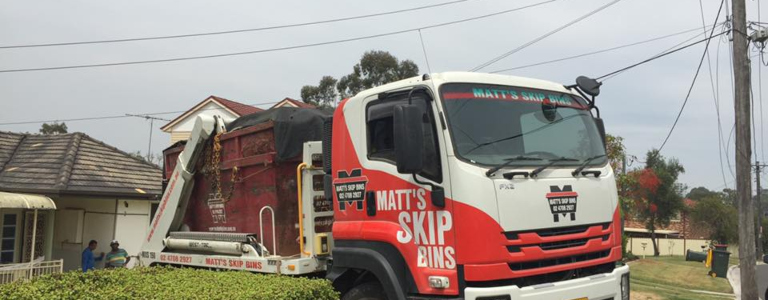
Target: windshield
x=491, y=124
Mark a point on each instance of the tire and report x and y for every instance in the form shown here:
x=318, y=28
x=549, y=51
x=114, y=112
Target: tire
x=371, y=290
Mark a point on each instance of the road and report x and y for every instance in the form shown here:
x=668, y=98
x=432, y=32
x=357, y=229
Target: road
x=762, y=280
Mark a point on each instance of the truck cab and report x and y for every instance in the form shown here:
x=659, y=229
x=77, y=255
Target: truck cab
x=473, y=186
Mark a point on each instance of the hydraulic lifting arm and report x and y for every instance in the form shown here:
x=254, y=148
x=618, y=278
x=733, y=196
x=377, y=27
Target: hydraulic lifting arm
x=173, y=204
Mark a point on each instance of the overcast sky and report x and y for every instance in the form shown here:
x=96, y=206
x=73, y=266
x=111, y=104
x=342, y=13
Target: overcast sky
x=639, y=105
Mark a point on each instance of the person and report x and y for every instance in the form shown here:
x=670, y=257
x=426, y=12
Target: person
x=117, y=258
x=89, y=261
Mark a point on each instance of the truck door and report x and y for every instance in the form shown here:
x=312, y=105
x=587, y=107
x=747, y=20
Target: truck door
x=420, y=230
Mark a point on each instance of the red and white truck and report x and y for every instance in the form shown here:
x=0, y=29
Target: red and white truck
x=444, y=186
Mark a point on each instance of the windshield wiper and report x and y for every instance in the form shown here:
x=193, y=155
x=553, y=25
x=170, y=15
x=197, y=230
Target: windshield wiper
x=538, y=170
x=584, y=164
x=509, y=161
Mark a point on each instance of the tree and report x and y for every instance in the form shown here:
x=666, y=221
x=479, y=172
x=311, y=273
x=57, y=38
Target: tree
x=53, y=128
x=323, y=95
x=615, y=151
x=719, y=218
x=656, y=193
x=374, y=69
x=699, y=193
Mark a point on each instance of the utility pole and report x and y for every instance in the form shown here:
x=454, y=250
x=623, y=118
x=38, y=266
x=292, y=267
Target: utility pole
x=759, y=210
x=741, y=72
x=151, y=125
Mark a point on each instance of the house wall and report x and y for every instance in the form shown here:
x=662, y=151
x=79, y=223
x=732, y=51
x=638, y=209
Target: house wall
x=667, y=247
x=100, y=219
x=179, y=136
x=182, y=129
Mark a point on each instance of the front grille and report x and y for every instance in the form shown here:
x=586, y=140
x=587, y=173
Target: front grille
x=558, y=261
x=563, y=244
x=547, y=278
x=548, y=232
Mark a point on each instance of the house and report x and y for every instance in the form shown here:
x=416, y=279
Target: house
x=679, y=227
x=181, y=126
x=288, y=102
x=100, y=193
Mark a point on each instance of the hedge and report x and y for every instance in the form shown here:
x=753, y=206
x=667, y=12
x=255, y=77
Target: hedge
x=168, y=283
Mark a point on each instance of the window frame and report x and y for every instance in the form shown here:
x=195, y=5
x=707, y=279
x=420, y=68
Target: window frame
x=16, y=234
x=400, y=95
x=450, y=136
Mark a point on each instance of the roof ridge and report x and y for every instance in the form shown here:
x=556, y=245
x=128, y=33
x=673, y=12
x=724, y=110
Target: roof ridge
x=122, y=152
x=15, y=150
x=69, y=161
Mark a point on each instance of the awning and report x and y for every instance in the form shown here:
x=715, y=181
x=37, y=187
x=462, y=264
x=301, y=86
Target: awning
x=27, y=201
x=643, y=230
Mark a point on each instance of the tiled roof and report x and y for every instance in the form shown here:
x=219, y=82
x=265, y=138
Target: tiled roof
x=237, y=107
x=294, y=103
x=73, y=163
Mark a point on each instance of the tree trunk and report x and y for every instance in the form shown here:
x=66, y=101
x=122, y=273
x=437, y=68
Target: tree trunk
x=652, y=228
x=653, y=240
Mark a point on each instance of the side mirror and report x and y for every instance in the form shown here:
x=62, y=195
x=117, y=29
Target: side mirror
x=600, y=129
x=588, y=85
x=409, y=138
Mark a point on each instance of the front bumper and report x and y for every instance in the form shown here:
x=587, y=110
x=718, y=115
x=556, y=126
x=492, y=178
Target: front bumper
x=596, y=287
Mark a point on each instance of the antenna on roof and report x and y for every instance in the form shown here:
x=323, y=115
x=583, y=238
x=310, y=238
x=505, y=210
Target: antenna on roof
x=151, y=125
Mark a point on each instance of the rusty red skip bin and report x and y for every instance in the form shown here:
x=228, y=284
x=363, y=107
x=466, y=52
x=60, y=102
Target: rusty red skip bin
x=260, y=181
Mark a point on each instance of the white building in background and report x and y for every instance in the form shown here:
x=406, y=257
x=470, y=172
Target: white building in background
x=181, y=126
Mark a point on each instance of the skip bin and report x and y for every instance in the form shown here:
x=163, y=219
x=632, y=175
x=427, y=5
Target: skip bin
x=691, y=255
x=719, y=263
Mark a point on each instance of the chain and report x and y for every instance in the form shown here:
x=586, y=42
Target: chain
x=212, y=170
x=231, y=184
x=216, y=183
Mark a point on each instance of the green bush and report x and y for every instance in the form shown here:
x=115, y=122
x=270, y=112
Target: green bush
x=168, y=283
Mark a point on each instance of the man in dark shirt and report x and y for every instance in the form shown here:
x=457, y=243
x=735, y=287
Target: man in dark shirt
x=89, y=261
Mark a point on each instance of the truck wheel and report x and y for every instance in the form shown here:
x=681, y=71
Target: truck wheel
x=371, y=290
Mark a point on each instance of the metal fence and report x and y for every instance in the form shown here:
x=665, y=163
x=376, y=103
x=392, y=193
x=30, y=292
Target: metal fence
x=24, y=271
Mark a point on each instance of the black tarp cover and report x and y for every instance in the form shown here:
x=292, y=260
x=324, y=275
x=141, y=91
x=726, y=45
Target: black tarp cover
x=292, y=127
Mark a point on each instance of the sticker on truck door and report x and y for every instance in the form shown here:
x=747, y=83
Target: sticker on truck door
x=350, y=188
x=562, y=202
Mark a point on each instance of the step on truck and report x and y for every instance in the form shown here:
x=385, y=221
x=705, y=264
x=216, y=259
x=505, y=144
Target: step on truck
x=442, y=186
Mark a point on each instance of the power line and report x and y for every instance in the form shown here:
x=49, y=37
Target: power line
x=164, y=37
x=600, y=51
x=760, y=95
x=695, y=76
x=661, y=55
x=424, y=49
x=715, y=97
x=275, y=49
x=144, y=115
x=536, y=40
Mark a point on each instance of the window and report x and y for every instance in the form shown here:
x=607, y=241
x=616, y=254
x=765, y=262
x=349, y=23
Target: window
x=152, y=211
x=381, y=146
x=8, y=241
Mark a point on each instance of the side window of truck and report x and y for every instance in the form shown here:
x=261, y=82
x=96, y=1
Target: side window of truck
x=380, y=131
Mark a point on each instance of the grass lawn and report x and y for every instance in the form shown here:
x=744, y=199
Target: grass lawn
x=672, y=277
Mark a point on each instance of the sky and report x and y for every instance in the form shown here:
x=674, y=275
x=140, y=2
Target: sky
x=639, y=105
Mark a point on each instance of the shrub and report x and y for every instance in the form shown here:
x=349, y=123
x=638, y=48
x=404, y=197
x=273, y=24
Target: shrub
x=168, y=283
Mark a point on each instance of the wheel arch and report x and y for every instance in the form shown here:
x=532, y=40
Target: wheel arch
x=354, y=262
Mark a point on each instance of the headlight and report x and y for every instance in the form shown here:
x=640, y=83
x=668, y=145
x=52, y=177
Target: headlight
x=625, y=286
